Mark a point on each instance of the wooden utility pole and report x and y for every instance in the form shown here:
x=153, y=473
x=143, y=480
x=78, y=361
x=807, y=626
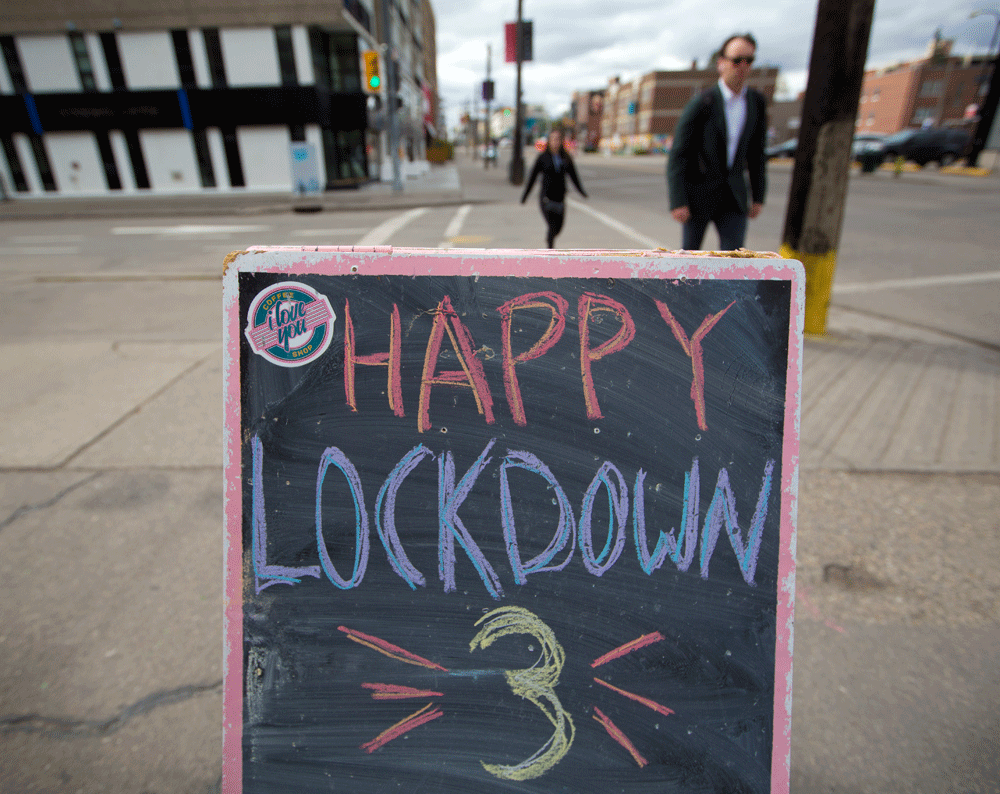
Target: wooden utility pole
x=816, y=199
x=988, y=107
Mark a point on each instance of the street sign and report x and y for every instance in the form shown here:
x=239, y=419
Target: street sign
x=511, y=39
x=501, y=533
x=305, y=169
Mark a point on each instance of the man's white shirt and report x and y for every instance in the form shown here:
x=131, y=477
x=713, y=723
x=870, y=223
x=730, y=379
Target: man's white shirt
x=736, y=118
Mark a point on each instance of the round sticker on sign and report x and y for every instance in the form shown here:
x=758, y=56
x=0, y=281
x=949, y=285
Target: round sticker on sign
x=290, y=324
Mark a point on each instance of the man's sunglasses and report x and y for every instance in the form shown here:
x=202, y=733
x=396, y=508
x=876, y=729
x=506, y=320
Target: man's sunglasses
x=747, y=59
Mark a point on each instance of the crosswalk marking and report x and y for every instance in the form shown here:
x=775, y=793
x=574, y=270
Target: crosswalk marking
x=618, y=226
x=380, y=234
x=455, y=226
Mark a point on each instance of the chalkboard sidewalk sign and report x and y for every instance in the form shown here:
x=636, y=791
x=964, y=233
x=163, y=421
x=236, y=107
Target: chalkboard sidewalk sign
x=509, y=521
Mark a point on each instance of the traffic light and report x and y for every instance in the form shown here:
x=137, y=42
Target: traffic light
x=373, y=80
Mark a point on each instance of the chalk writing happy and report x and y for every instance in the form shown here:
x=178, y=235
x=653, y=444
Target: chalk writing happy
x=591, y=307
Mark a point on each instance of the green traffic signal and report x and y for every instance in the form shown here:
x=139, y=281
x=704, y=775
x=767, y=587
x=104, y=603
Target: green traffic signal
x=374, y=81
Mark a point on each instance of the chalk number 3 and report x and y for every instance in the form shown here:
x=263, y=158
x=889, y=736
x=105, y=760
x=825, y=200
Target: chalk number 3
x=536, y=684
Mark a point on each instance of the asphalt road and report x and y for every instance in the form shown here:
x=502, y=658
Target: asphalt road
x=110, y=467
x=921, y=249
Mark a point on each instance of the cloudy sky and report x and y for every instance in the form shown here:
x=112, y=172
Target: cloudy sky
x=580, y=44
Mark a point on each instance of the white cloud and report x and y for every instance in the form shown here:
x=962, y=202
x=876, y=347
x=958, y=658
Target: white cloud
x=580, y=45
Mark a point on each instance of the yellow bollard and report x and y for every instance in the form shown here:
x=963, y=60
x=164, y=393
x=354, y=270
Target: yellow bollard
x=819, y=285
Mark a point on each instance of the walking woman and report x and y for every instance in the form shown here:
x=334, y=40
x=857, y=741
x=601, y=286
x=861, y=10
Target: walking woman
x=554, y=164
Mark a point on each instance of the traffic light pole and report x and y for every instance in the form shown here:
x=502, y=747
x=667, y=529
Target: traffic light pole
x=517, y=160
x=392, y=86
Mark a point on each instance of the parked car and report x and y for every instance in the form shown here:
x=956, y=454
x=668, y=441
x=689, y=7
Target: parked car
x=865, y=142
x=866, y=150
x=786, y=149
x=943, y=144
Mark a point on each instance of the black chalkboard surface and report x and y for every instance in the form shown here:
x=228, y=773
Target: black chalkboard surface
x=509, y=533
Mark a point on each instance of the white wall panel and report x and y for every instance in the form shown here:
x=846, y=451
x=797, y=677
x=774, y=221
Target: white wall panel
x=28, y=164
x=148, y=60
x=303, y=55
x=217, y=150
x=199, y=57
x=6, y=86
x=266, y=155
x=48, y=63
x=97, y=61
x=250, y=56
x=119, y=148
x=8, y=180
x=170, y=160
x=76, y=163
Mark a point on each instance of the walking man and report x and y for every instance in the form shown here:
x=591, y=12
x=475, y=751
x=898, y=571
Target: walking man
x=718, y=142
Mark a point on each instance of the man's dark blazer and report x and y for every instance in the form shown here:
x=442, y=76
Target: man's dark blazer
x=697, y=175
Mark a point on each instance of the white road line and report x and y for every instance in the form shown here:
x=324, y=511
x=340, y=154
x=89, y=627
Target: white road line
x=854, y=288
x=455, y=226
x=188, y=229
x=381, y=233
x=618, y=226
x=325, y=232
x=38, y=250
x=41, y=239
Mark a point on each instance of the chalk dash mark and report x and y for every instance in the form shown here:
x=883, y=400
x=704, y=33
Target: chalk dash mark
x=405, y=725
x=615, y=733
x=638, y=698
x=628, y=647
x=398, y=692
x=390, y=650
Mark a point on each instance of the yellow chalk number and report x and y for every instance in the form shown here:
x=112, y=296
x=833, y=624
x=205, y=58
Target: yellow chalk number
x=536, y=683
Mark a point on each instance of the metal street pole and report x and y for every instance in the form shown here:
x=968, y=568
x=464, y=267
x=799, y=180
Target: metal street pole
x=815, y=214
x=390, y=101
x=988, y=107
x=486, y=96
x=517, y=159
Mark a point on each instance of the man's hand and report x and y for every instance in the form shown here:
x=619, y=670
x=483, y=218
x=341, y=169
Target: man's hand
x=755, y=210
x=683, y=214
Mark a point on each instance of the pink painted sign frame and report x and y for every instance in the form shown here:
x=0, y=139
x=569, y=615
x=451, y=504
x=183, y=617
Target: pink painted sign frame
x=385, y=260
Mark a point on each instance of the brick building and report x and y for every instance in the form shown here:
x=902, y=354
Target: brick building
x=585, y=110
x=784, y=118
x=154, y=96
x=642, y=115
x=940, y=89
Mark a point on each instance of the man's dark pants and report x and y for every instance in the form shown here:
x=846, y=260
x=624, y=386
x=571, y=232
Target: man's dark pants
x=730, y=221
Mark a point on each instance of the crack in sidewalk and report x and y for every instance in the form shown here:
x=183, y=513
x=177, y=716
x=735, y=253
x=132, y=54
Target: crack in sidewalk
x=23, y=509
x=133, y=411
x=66, y=728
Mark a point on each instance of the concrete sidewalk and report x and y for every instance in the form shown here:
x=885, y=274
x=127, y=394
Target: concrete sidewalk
x=111, y=548
x=439, y=186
